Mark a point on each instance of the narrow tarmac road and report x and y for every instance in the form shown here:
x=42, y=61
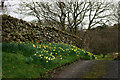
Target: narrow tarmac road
x=112, y=70
x=81, y=67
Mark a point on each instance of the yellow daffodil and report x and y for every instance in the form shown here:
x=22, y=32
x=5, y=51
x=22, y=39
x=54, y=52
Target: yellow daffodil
x=36, y=52
x=67, y=49
x=75, y=50
x=50, y=47
x=46, y=57
x=53, y=58
x=44, y=47
x=37, y=46
x=96, y=58
x=33, y=45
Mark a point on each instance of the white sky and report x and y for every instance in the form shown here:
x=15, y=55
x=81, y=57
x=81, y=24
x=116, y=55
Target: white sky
x=29, y=18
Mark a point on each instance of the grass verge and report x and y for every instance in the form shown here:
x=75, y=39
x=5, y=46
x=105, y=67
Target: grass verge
x=23, y=60
x=28, y=60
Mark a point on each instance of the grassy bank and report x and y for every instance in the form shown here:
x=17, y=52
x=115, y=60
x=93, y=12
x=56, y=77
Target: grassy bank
x=28, y=60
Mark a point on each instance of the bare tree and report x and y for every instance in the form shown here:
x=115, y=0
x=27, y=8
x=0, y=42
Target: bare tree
x=70, y=15
x=97, y=15
x=29, y=9
x=45, y=11
x=76, y=14
x=2, y=6
x=55, y=13
x=65, y=15
x=114, y=13
x=5, y=6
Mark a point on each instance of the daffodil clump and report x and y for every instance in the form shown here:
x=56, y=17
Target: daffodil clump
x=39, y=58
x=51, y=51
x=48, y=52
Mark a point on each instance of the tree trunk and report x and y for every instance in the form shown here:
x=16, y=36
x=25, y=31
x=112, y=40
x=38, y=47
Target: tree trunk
x=82, y=44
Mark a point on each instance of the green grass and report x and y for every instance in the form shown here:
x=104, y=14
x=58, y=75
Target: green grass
x=28, y=60
x=15, y=66
x=107, y=57
x=0, y=60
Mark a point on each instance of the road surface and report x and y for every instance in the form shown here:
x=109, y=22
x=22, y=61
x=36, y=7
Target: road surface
x=83, y=67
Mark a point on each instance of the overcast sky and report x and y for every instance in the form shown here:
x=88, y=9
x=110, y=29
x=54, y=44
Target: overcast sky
x=29, y=18
x=16, y=2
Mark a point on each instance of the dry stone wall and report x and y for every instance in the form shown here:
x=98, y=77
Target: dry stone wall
x=16, y=30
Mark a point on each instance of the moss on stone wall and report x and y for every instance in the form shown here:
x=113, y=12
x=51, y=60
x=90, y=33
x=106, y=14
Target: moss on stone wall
x=16, y=30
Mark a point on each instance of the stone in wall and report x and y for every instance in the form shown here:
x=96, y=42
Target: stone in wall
x=16, y=30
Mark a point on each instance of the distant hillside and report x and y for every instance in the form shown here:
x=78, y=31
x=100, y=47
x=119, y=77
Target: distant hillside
x=16, y=30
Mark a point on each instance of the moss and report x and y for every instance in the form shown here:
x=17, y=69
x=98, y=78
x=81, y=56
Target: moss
x=32, y=30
